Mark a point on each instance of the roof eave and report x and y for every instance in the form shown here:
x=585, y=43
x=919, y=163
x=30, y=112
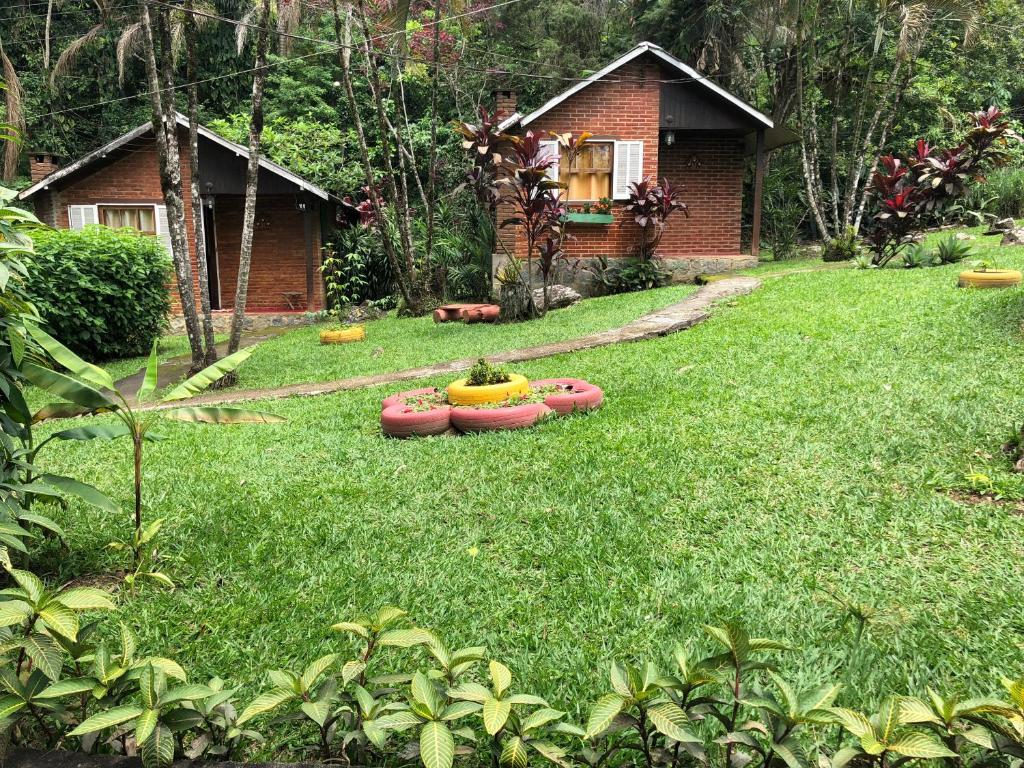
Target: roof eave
x=627, y=57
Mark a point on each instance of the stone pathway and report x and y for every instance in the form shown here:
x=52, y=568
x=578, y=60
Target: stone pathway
x=685, y=314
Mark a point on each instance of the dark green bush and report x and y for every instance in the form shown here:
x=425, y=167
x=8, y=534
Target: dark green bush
x=102, y=291
x=633, y=275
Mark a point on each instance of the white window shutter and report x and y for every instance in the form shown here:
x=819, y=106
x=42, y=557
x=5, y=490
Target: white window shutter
x=81, y=215
x=549, y=151
x=163, y=232
x=629, y=167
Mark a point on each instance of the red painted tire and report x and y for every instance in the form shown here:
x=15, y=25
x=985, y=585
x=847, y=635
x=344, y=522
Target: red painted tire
x=492, y=419
x=583, y=396
x=402, y=421
x=399, y=397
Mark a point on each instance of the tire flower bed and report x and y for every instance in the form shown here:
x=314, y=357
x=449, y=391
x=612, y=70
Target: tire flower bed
x=463, y=408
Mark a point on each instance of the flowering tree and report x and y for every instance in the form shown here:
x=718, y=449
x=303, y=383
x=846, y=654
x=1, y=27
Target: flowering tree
x=908, y=193
x=651, y=204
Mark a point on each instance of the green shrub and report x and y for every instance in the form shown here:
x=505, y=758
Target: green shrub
x=483, y=373
x=102, y=291
x=842, y=248
x=1001, y=196
x=633, y=275
x=951, y=250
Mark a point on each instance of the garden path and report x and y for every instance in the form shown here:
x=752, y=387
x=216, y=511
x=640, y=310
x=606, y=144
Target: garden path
x=685, y=314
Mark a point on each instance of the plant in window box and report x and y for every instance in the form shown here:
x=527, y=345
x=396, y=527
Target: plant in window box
x=604, y=206
x=651, y=204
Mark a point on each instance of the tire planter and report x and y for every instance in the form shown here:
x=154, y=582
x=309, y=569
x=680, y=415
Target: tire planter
x=343, y=335
x=990, y=278
x=495, y=419
x=460, y=393
x=404, y=421
x=399, y=397
x=579, y=395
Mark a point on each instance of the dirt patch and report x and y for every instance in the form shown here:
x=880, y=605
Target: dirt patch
x=108, y=582
x=1014, y=507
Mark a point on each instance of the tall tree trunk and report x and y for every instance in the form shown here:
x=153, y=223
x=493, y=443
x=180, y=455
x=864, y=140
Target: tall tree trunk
x=398, y=194
x=343, y=37
x=192, y=73
x=165, y=129
x=432, y=158
x=251, y=177
x=46, y=35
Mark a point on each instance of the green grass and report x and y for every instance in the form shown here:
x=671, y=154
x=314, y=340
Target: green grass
x=394, y=344
x=792, y=449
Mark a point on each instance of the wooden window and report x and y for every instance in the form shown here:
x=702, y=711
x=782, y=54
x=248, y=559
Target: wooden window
x=589, y=178
x=139, y=217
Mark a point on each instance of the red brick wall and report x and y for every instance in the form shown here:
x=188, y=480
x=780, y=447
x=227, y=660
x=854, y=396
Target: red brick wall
x=710, y=173
x=278, y=253
x=279, y=260
x=629, y=110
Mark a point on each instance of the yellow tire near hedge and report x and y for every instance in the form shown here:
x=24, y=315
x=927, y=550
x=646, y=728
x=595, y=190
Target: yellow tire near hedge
x=343, y=335
x=460, y=393
x=990, y=278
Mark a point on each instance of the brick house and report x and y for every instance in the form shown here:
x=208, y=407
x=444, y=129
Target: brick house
x=652, y=115
x=119, y=185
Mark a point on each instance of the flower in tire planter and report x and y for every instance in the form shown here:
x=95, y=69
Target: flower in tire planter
x=402, y=398
x=573, y=395
x=402, y=420
x=495, y=419
x=462, y=393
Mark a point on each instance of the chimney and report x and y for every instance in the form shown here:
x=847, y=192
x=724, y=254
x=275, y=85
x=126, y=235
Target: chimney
x=41, y=165
x=505, y=102
x=503, y=95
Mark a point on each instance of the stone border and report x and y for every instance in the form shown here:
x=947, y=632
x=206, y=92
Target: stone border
x=685, y=314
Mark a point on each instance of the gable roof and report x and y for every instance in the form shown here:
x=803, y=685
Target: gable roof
x=182, y=121
x=667, y=58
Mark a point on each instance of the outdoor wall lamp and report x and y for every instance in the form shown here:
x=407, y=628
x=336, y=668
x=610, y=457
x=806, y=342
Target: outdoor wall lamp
x=670, y=138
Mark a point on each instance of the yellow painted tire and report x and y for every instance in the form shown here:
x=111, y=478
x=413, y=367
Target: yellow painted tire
x=460, y=393
x=343, y=335
x=990, y=278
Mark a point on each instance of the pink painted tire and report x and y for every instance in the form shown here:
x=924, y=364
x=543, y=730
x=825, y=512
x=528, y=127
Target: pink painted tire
x=493, y=419
x=403, y=421
x=399, y=397
x=583, y=395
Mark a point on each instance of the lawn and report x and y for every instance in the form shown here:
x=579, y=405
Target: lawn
x=792, y=451
x=394, y=344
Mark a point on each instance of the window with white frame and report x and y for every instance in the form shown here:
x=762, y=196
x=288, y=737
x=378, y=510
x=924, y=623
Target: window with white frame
x=139, y=217
x=604, y=168
x=146, y=218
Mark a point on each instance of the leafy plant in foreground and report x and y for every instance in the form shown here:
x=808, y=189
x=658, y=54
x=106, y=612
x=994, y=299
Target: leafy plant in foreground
x=483, y=373
x=89, y=389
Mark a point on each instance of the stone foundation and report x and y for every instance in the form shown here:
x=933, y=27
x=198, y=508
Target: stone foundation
x=583, y=279
x=254, y=321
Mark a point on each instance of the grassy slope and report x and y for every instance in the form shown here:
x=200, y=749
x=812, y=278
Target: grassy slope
x=787, y=450
x=394, y=344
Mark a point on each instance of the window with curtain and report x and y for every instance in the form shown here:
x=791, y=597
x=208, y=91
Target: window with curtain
x=590, y=176
x=140, y=217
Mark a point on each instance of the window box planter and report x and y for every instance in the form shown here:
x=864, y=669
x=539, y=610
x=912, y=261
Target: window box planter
x=589, y=218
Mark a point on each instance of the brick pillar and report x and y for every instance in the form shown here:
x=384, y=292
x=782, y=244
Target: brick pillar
x=41, y=165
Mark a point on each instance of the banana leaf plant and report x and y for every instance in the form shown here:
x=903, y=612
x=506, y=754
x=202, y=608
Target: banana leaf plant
x=87, y=389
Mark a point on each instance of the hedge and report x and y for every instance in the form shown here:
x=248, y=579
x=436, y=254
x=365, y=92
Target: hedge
x=102, y=291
